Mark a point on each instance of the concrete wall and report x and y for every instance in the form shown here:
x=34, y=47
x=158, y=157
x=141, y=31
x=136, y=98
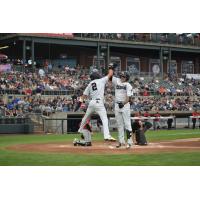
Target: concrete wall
x=62, y=125
x=56, y=126
x=16, y=128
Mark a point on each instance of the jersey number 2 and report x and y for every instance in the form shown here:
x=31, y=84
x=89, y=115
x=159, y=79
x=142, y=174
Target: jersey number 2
x=94, y=86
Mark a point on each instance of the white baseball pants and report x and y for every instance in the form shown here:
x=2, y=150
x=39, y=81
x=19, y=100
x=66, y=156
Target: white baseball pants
x=123, y=118
x=98, y=107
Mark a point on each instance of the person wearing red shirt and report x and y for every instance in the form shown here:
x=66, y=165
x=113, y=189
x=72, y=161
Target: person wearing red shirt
x=28, y=92
x=194, y=119
x=157, y=121
x=147, y=123
x=146, y=114
x=145, y=93
x=199, y=118
x=139, y=114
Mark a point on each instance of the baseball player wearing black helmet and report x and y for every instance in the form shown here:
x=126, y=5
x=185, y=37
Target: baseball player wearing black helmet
x=95, y=92
x=95, y=75
x=123, y=92
x=124, y=75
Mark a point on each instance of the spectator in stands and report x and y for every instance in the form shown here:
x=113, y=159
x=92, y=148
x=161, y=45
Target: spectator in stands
x=199, y=118
x=146, y=114
x=162, y=91
x=145, y=92
x=75, y=79
x=157, y=121
x=41, y=73
x=169, y=122
x=195, y=114
x=135, y=91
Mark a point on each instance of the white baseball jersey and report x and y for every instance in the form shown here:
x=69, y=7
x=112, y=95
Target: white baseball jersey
x=122, y=90
x=122, y=115
x=95, y=89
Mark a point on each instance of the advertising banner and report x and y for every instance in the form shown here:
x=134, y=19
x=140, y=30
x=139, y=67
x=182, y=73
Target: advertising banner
x=5, y=67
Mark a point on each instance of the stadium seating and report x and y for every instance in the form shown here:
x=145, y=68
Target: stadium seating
x=25, y=92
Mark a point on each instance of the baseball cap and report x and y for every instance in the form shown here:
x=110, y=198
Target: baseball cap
x=111, y=64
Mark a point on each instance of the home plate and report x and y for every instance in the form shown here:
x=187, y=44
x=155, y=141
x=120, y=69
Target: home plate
x=63, y=146
x=114, y=147
x=111, y=147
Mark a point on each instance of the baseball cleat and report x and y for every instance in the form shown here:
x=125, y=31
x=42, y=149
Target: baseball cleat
x=128, y=146
x=77, y=142
x=120, y=145
x=88, y=144
x=110, y=139
x=142, y=144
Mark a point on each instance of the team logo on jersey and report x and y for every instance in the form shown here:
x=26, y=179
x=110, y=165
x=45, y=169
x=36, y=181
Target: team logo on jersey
x=121, y=87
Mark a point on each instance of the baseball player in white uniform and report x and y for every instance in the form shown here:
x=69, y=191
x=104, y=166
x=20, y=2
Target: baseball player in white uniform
x=123, y=92
x=95, y=92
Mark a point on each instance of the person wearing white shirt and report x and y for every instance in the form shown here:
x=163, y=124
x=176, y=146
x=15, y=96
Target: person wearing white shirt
x=95, y=92
x=123, y=92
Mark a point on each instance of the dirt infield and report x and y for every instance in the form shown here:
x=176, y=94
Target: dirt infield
x=182, y=145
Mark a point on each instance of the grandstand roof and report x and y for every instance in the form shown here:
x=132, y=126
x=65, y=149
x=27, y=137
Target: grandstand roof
x=70, y=39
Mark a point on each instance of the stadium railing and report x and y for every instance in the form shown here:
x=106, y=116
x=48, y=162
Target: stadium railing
x=70, y=123
x=166, y=38
x=44, y=92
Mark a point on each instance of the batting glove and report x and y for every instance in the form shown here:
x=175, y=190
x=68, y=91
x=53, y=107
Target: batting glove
x=121, y=105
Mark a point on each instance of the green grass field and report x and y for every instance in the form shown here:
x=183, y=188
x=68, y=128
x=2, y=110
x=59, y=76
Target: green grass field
x=14, y=158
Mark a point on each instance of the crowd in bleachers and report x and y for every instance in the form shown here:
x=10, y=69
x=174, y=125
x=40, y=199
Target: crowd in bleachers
x=35, y=83
x=159, y=95
x=170, y=93
x=20, y=106
x=169, y=86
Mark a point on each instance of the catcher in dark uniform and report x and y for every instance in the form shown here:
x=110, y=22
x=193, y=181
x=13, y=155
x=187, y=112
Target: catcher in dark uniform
x=139, y=128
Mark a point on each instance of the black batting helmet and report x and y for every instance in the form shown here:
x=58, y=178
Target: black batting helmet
x=95, y=75
x=125, y=75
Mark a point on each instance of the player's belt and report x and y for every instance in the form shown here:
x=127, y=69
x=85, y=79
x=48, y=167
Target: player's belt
x=117, y=102
x=96, y=99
